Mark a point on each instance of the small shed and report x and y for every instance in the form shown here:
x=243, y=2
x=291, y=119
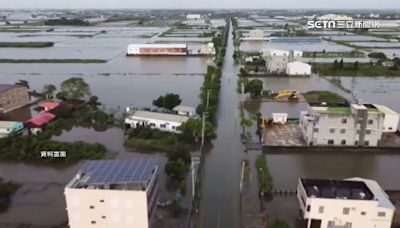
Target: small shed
x=39, y=121
x=185, y=111
x=280, y=118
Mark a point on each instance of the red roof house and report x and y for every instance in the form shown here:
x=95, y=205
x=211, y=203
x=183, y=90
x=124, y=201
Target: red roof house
x=49, y=105
x=40, y=120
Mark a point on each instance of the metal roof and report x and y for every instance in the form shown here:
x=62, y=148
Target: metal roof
x=145, y=115
x=119, y=171
x=157, y=45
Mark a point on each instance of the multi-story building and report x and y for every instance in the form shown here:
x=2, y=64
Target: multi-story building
x=342, y=125
x=156, y=120
x=277, y=60
x=113, y=193
x=12, y=97
x=350, y=203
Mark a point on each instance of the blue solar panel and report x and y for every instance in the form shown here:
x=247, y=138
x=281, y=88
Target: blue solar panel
x=119, y=171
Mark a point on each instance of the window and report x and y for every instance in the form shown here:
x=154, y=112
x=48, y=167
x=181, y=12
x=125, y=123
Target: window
x=363, y=213
x=344, y=121
x=101, y=201
x=93, y=222
x=390, y=128
x=370, y=122
x=316, y=130
x=308, y=208
x=381, y=214
x=343, y=142
x=173, y=127
x=321, y=209
x=103, y=217
x=356, y=143
x=331, y=142
x=163, y=125
x=152, y=124
x=366, y=143
x=342, y=131
x=368, y=132
x=359, y=121
x=332, y=130
x=91, y=207
x=346, y=210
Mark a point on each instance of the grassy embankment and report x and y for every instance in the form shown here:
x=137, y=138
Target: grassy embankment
x=26, y=44
x=323, y=96
x=350, y=69
x=264, y=177
x=64, y=61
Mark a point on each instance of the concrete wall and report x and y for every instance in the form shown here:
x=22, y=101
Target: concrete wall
x=13, y=98
x=325, y=127
x=110, y=208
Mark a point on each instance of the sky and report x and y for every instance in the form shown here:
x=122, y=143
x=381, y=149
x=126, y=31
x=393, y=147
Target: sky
x=195, y=4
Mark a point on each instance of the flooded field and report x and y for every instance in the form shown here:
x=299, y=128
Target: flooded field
x=252, y=46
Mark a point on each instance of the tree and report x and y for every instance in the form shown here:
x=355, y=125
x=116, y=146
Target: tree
x=23, y=83
x=75, y=89
x=356, y=65
x=192, y=129
x=176, y=169
x=169, y=101
x=254, y=87
x=49, y=90
x=377, y=55
x=279, y=224
x=244, y=122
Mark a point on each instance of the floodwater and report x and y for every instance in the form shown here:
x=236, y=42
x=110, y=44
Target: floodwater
x=122, y=81
x=252, y=46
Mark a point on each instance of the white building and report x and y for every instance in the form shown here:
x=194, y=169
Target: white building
x=277, y=60
x=335, y=17
x=193, y=17
x=157, y=49
x=156, y=120
x=255, y=34
x=207, y=49
x=391, y=121
x=298, y=68
x=113, y=193
x=350, y=203
x=185, y=111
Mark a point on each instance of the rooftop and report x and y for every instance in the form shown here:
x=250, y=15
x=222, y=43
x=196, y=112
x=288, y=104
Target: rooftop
x=160, y=116
x=40, y=119
x=5, y=87
x=184, y=108
x=116, y=174
x=10, y=124
x=159, y=45
x=337, y=189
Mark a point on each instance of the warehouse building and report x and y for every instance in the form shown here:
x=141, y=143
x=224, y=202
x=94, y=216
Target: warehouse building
x=156, y=120
x=113, y=193
x=349, y=203
x=298, y=69
x=157, y=49
x=13, y=97
x=342, y=125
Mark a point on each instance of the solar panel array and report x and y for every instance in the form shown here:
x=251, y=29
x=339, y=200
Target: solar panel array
x=119, y=171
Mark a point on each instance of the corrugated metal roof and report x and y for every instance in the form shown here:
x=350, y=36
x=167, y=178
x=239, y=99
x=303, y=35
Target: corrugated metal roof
x=40, y=120
x=157, y=46
x=160, y=116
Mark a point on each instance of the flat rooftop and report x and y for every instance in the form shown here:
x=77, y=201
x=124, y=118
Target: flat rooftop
x=337, y=189
x=115, y=174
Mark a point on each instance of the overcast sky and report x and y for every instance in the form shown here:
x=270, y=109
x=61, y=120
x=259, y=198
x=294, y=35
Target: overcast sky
x=132, y=4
